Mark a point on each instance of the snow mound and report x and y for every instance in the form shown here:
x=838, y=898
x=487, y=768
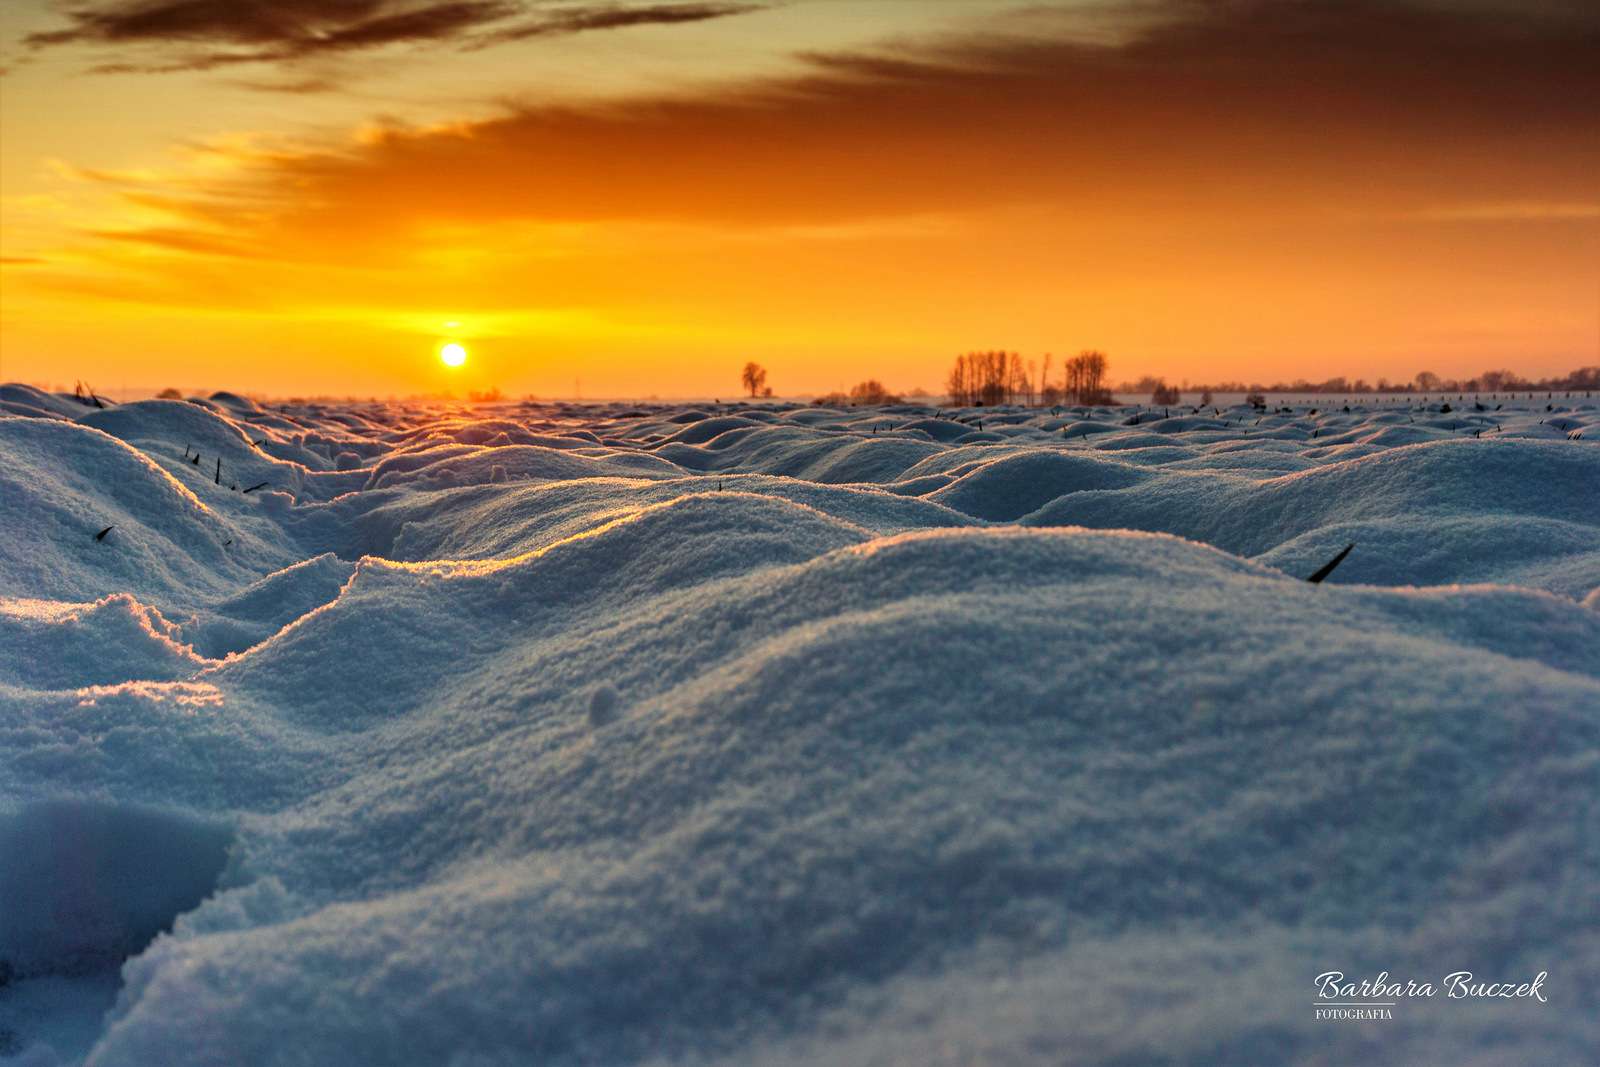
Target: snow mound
x=170, y=428
x=50, y=644
x=1009, y=488
x=522, y=462
x=87, y=515
x=262, y=609
x=1433, y=513
x=36, y=403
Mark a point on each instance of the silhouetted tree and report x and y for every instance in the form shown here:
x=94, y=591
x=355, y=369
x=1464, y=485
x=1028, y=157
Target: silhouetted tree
x=1086, y=378
x=981, y=379
x=754, y=377
x=872, y=391
x=1499, y=381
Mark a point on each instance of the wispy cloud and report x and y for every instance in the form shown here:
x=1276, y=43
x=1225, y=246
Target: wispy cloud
x=614, y=17
x=1512, y=211
x=178, y=240
x=191, y=35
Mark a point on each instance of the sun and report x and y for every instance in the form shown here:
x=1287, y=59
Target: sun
x=453, y=354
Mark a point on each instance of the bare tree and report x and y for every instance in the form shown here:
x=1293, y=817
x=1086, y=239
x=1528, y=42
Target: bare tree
x=1017, y=380
x=872, y=391
x=754, y=378
x=1086, y=378
x=981, y=379
x=1497, y=381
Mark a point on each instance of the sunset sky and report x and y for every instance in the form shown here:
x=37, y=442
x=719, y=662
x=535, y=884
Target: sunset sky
x=312, y=196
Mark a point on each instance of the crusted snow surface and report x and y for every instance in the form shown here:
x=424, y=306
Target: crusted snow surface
x=562, y=734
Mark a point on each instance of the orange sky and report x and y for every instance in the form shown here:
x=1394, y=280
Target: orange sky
x=303, y=195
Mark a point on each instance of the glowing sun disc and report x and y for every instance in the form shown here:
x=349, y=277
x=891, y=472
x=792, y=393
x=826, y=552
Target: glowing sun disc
x=453, y=355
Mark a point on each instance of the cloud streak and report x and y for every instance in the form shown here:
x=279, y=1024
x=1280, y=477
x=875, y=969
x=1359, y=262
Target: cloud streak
x=615, y=17
x=191, y=35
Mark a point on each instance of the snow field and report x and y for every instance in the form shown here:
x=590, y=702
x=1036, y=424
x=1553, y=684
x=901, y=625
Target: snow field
x=572, y=734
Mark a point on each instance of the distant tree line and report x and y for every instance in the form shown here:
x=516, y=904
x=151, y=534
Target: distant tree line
x=986, y=379
x=998, y=377
x=1491, y=381
x=870, y=392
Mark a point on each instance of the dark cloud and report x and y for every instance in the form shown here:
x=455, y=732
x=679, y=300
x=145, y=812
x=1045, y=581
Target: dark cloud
x=205, y=34
x=437, y=21
x=212, y=21
x=578, y=20
x=177, y=241
x=290, y=86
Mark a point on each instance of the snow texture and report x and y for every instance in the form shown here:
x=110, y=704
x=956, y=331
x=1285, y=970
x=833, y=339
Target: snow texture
x=563, y=734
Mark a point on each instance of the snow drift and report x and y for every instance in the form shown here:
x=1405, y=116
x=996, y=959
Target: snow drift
x=790, y=735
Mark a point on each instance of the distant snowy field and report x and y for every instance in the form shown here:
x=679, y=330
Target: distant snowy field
x=564, y=734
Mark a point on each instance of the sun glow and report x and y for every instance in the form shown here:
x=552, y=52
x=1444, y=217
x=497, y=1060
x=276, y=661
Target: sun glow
x=453, y=354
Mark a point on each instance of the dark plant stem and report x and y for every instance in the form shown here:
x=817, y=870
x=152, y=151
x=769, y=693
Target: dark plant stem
x=1327, y=568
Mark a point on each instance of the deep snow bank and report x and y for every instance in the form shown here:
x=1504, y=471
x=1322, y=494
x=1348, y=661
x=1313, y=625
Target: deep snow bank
x=638, y=747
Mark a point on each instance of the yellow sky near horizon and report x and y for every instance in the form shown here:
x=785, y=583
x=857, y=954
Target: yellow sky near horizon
x=640, y=197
